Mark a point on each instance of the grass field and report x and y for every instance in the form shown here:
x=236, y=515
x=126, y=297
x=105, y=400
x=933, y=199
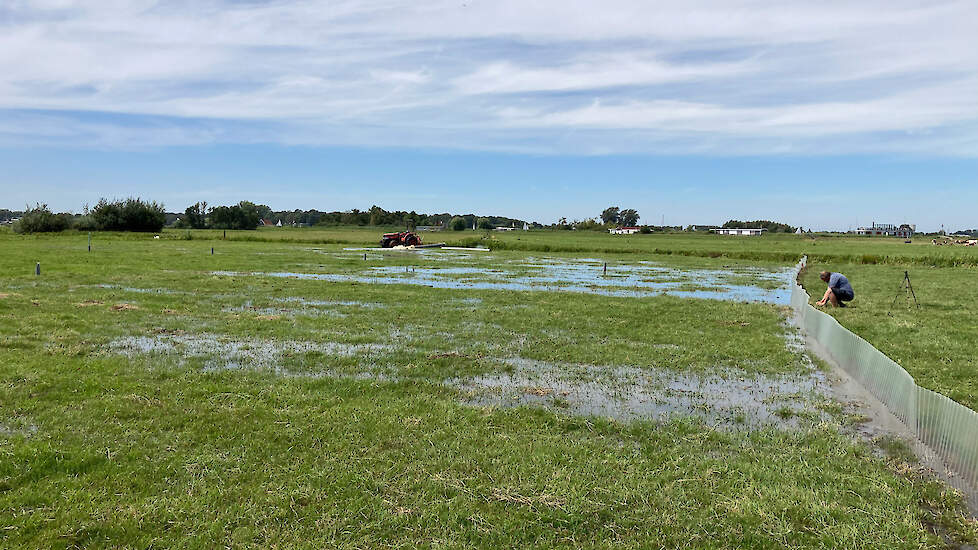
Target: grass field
x=155, y=394
x=779, y=248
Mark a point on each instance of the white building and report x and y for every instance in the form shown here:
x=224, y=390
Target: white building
x=738, y=231
x=624, y=230
x=888, y=230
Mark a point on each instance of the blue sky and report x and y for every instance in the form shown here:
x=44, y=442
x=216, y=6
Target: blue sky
x=826, y=115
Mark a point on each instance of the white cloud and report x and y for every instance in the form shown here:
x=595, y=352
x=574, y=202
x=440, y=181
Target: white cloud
x=591, y=73
x=738, y=76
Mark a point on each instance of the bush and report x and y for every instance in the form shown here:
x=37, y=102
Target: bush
x=132, y=214
x=243, y=215
x=457, y=224
x=85, y=223
x=40, y=219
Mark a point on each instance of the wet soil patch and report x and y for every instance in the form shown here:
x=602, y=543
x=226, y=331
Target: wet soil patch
x=728, y=399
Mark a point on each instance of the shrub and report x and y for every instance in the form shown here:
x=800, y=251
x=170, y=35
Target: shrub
x=40, y=219
x=243, y=215
x=457, y=223
x=132, y=214
x=85, y=223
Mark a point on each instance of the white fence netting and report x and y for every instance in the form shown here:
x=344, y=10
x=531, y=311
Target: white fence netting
x=947, y=427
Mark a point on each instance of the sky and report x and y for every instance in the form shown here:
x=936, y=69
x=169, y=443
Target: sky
x=827, y=115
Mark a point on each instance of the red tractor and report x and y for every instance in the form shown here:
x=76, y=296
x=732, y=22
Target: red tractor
x=404, y=238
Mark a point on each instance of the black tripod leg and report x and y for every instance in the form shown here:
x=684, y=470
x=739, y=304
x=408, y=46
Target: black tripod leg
x=912, y=293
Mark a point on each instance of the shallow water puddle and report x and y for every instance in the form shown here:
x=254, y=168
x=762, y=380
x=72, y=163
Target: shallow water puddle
x=306, y=307
x=222, y=353
x=141, y=290
x=733, y=399
x=583, y=276
x=329, y=303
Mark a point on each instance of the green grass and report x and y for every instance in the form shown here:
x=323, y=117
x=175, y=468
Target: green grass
x=780, y=248
x=935, y=343
x=303, y=447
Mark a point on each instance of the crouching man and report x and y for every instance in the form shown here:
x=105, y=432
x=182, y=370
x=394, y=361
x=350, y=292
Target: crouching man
x=839, y=290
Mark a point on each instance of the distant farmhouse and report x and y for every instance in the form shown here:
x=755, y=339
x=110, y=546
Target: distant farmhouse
x=269, y=223
x=747, y=231
x=624, y=230
x=888, y=230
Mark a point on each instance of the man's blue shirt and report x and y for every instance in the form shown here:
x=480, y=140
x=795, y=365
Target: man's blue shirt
x=839, y=283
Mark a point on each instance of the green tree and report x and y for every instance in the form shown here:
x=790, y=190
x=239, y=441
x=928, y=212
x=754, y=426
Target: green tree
x=132, y=214
x=377, y=215
x=248, y=215
x=629, y=217
x=457, y=224
x=195, y=216
x=40, y=219
x=243, y=215
x=483, y=223
x=610, y=215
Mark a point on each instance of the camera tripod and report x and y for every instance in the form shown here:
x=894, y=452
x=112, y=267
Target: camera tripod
x=906, y=288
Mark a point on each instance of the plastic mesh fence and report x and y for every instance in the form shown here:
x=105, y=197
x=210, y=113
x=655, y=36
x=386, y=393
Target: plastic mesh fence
x=947, y=427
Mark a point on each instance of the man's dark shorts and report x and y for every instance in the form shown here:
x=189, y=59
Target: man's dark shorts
x=843, y=295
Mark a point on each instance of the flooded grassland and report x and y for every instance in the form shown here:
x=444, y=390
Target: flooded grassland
x=277, y=394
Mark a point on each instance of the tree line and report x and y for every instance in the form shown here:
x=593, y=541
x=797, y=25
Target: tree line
x=772, y=227
x=248, y=215
x=135, y=214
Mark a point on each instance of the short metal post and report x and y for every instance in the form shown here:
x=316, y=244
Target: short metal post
x=225, y=234
x=89, y=241
x=606, y=268
x=37, y=270
x=364, y=257
x=212, y=251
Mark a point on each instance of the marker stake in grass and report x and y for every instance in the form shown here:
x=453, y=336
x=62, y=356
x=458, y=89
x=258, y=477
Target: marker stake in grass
x=89, y=241
x=37, y=270
x=212, y=251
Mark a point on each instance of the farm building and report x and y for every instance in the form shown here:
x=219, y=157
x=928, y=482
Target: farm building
x=888, y=230
x=738, y=231
x=624, y=230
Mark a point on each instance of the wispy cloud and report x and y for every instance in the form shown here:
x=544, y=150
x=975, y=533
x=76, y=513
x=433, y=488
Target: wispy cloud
x=711, y=76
